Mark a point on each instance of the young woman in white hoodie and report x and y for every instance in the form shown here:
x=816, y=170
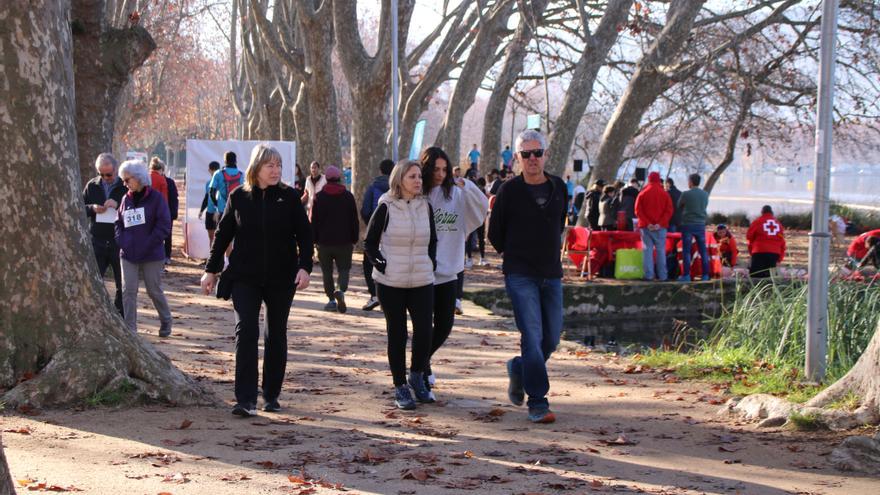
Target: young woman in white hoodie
x=460, y=206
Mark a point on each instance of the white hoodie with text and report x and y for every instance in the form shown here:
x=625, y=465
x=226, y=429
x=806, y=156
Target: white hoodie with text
x=454, y=218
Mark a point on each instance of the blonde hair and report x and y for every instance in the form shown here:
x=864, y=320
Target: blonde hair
x=262, y=154
x=395, y=181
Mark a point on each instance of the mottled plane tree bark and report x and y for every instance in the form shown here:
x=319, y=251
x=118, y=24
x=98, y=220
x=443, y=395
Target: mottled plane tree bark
x=369, y=79
x=482, y=56
x=105, y=56
x=580, y=89
x=420, y=81
x=61, y=339
x=300, y=36
x=530, y=12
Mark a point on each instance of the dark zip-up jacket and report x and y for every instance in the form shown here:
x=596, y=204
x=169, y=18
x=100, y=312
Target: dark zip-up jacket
x=93, y=194
x=273, y=238
x=527, y=235
x=335, y=216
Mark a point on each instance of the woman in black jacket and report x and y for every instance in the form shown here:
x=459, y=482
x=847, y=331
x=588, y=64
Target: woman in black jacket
x=271, y=260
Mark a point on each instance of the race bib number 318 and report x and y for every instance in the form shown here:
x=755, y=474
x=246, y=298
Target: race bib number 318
x=134, y=217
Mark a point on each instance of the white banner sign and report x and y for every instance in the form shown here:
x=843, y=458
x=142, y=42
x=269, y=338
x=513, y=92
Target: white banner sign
x=199, y=153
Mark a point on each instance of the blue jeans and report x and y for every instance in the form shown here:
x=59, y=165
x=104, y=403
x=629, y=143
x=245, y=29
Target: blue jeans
x=537, y=309
x=697, y=231
x=654, y=239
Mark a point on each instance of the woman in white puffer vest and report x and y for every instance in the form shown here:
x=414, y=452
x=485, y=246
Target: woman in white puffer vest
x=460, y=207
x=401, y=243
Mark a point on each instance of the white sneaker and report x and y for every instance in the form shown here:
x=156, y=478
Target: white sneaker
x=468, y=263
x=458, y=310
x=483, y=262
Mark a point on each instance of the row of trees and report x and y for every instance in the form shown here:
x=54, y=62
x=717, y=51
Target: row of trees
x=615, y=80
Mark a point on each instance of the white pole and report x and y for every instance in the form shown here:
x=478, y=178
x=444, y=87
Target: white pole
x=817, y=297
x=394, y=82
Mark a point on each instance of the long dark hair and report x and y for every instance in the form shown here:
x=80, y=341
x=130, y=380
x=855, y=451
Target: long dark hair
x=429, y=163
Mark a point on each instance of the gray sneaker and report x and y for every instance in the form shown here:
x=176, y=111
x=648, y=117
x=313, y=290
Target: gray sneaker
x=330, y=306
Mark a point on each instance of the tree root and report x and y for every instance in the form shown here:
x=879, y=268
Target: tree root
x=102, y=365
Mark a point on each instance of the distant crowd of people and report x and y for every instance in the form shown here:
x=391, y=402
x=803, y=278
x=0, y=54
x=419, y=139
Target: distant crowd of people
x=658, y=208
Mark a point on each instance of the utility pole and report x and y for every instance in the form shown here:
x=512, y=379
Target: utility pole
x=820, y=239
x=395, y=83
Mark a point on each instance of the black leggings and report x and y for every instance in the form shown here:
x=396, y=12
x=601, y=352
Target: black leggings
x=419, y=302
x=444, y=315
x=476, y=239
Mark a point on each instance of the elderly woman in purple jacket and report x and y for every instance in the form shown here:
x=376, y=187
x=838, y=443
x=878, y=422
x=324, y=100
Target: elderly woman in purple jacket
x=142, y=224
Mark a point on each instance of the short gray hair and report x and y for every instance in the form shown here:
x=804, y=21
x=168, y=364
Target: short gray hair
x=106, y=158
x=136, y=169
x=530, y=135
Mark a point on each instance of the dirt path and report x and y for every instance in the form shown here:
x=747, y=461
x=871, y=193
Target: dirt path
x=617, y=432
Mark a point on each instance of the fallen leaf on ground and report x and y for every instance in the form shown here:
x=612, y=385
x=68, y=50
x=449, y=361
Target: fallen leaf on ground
x=620, y=440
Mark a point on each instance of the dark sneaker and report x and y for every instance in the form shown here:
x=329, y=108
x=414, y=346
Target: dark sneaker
x=330, y=306
x=417, y=382
x=165, y=329
x=340, y=301
x=542, y=416
x=515, y=392
x=372, y=304
x=272, y=406
x=403, y=399
x=245, y=410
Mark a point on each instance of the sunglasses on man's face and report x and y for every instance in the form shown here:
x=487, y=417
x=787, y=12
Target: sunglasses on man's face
x=526, y=153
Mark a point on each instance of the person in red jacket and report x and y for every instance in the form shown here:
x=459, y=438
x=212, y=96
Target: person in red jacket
x=159, y=184
x=726, y=245
x=864, y=250
x=766, y=243
x=654, y=209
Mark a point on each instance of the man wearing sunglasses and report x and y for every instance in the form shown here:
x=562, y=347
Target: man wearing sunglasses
x=101, y=194
x=526, y=229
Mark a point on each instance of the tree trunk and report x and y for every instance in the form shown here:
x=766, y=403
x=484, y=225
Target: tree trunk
x=514, y=56
x=482, y=57
x=581, y=87
x=305, y=132
x=647, y=83
x=61, y=339
x=863, y=380
x=369, y=80
x=6, y=486
x=104, y=58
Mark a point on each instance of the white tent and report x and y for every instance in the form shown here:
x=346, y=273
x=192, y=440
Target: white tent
x=199, y=153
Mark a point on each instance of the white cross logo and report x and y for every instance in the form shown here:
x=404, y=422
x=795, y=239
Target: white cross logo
x=771, y=227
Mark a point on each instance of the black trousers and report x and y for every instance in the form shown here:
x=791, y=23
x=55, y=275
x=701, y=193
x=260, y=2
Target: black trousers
x=168, y=243
x=477, y=239
x=444, y=315
x=459, y=287
x=396, y=302
x=340, y=255
x=246, y=300
x=107, y=255
x=762, y=263
x=368, y=276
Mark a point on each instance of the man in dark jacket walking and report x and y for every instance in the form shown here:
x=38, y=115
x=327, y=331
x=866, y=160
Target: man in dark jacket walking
x=100, y=194
x=368, y=206
x=628, y=197
x=525, y=228
x=335, y=231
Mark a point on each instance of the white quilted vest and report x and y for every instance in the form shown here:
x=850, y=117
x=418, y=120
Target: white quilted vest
x=404, y=244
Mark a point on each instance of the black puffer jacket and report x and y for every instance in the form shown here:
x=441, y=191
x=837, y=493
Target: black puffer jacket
x=273, y=238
